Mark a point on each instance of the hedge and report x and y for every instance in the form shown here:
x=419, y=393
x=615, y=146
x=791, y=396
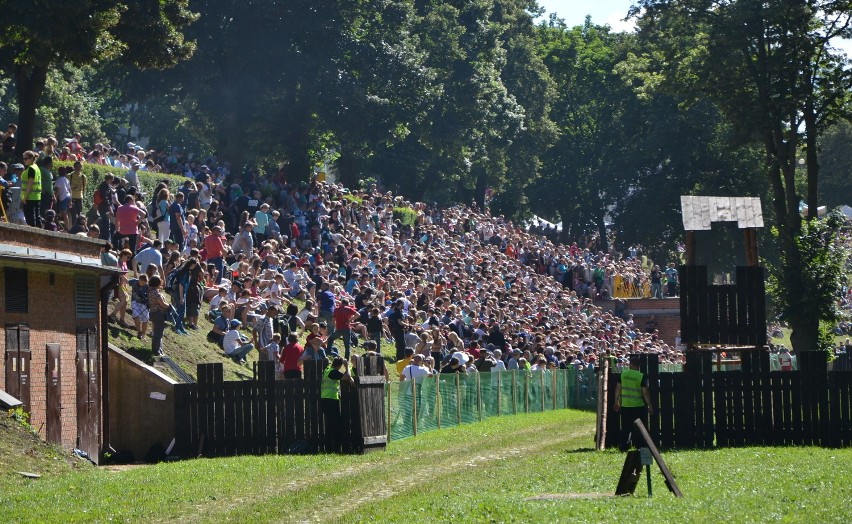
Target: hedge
x=95, y=174
x=406, y=215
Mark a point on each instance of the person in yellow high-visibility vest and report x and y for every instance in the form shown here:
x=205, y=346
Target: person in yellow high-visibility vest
x=336, y=371
x=31, y=189
x=632, y=400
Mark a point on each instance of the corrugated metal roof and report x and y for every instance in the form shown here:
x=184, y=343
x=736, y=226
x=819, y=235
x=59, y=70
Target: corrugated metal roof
x=699, y=212
x=27, y=261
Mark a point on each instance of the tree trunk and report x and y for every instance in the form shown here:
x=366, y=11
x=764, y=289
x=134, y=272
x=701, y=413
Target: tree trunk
x=481, y=187
x=29, y=83
x=811, y=160
x=347, y=167
x=604, y=241
x=231, y=143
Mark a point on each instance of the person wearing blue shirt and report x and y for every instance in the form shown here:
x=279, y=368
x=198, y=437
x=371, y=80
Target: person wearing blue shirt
x=326, y=306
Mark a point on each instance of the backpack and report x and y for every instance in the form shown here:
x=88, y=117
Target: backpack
x=172, y=281
x=157, y=213
x=98, y=197
x=281, y=325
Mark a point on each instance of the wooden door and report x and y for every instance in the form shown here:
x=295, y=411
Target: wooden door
x=371, y=403
x=88, y=392
x=53, y=372
x=18, y=363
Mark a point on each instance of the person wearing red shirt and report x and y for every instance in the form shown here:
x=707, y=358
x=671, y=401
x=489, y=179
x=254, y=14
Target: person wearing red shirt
x=214, y=245
x=291, y=357
x=343, y=316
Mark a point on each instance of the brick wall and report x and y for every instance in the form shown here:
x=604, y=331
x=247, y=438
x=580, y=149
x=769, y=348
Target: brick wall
x=666, y=312
x=52, y=319
x=31, y=237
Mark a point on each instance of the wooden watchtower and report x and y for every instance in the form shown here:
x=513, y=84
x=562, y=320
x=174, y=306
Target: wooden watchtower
x=729, y=317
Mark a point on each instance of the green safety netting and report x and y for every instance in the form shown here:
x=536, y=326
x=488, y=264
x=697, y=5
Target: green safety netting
x=447, y=400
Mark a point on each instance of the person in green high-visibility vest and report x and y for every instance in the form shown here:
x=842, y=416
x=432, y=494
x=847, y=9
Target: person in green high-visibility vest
x=632, y=400
x=330, y=400
x=31, y=189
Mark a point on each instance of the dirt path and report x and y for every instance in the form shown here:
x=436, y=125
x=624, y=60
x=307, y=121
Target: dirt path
x=373, y=478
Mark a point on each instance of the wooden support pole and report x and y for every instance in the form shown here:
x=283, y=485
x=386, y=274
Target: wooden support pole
x=458, y=398
x=390, y=423
x=438, y=399
x=479, y=396
x=690, y=248
x=514, y=392
x=499, y=384
x=414, y=406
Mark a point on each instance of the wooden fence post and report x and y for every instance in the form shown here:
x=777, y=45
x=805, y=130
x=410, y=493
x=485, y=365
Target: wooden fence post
x=499, y=388
x=413, y=390
x=438, y=399
x=553, y=382
x=514, y=392
x=458, y=399
x=479, y=396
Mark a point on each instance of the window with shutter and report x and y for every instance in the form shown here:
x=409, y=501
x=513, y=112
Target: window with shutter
x=86, y=296
x=17, y=289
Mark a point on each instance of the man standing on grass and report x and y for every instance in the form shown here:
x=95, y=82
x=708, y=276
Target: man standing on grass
x=330, y=400
x=343, y=316
x=632, y=399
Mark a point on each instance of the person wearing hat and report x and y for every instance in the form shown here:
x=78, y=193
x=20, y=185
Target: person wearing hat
x=234, y=344
x=632, y=400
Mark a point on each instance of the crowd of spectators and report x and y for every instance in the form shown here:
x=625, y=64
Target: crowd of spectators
x=455, y=288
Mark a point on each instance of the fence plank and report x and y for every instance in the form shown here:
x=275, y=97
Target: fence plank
x=665, y=409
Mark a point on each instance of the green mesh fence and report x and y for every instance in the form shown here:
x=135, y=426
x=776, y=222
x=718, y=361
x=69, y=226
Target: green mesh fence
x=447, y=400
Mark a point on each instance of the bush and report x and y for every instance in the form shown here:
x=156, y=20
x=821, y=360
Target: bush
x=406, y=215
x=349, y=197
x=95, y=175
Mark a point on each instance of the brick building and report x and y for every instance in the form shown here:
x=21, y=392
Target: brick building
x=53, y=317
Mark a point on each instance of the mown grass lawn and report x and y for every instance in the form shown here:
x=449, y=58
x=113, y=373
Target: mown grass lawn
x=475, y=473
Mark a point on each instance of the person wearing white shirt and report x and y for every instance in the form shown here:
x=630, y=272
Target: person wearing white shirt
x=415, y=371
x=236, y=346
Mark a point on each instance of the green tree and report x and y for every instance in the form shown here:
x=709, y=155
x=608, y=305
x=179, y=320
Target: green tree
x=771, y=68
x=37, y=35
x=835, y=181
x=595, y=161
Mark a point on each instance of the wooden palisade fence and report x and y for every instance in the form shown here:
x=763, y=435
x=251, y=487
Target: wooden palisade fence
x=219, y=418
x=703, y=408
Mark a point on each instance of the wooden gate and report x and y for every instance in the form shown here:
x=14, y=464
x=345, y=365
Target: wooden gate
x=18, y=363
x=88, y=392
x=53, y=374
x=372, y=431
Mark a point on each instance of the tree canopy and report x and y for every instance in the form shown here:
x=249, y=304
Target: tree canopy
x=470, y=100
